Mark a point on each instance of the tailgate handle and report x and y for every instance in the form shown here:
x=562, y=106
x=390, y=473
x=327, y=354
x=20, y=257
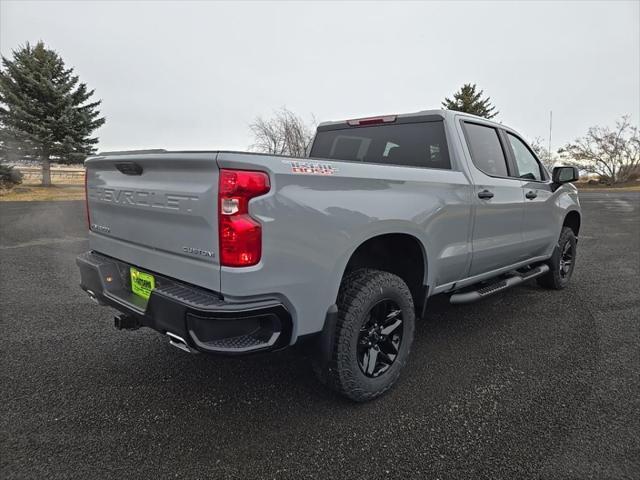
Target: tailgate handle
x=129, y=168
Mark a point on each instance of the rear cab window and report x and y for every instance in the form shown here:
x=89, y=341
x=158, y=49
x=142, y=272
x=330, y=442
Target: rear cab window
x=420, y=144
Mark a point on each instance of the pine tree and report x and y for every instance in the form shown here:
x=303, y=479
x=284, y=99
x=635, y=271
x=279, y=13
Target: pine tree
x=469, y=101
x=45, y=113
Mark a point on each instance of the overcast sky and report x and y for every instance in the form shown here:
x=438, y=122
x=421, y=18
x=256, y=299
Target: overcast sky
x=193, y=75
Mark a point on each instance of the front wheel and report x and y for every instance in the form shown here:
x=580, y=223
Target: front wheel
x=562, y=262
x=373, y=336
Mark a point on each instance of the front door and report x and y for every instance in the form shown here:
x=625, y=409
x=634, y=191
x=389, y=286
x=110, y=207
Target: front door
x=539, y=231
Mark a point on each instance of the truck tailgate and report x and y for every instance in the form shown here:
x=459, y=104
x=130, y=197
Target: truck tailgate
x=157, y=212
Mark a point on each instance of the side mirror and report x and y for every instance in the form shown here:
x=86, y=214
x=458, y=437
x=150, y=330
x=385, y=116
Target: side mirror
x=565, y=174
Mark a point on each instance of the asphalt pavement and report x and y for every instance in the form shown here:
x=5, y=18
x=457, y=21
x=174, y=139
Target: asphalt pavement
x=529, y=383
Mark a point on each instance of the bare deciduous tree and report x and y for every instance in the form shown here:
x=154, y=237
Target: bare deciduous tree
x=613, y=154
x=283, y=134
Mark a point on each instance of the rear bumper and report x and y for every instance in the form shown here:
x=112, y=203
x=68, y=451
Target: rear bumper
x=201, y=318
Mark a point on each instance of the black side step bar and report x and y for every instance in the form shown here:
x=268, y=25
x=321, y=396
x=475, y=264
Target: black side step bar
x=516, y=279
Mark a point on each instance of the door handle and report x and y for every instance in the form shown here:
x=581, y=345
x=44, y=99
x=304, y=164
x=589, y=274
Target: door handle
x=531, y=195
x=485, y=194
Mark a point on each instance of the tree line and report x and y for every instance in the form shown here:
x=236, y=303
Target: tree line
x=48, y=115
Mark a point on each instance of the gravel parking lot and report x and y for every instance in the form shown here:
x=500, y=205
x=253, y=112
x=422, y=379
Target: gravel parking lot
x=526, y=384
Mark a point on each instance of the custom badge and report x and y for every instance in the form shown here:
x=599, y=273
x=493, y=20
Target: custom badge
x=311, y=168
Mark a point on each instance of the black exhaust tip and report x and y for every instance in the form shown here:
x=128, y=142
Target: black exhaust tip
x=125, y=322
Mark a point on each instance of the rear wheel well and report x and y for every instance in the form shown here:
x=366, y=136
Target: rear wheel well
x=572, y=220
x=397, y=253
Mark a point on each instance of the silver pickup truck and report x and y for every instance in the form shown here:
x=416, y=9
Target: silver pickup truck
x=236, y=253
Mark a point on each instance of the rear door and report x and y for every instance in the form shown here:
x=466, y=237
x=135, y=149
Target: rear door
x=157, y=212
x=499, y=200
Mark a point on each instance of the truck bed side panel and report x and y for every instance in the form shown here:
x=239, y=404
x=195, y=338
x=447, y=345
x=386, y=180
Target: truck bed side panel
x=312, y=223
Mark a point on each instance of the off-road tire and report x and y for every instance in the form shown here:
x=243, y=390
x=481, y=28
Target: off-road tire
x=555, y=279
x=359, y=292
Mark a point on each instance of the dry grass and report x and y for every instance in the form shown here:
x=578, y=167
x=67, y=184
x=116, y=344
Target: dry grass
x=632, y=186
x=29, y=193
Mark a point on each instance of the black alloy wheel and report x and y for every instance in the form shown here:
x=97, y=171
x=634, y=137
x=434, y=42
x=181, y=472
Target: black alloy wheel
x=380, y=338
x=562, y=263
x=566, y=260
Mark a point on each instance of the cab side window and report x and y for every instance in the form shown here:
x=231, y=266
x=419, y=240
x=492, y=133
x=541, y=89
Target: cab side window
x=528, y=166
x=486, y=150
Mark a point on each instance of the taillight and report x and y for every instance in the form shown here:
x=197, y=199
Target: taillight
x=240, y=235
x=86, y=198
